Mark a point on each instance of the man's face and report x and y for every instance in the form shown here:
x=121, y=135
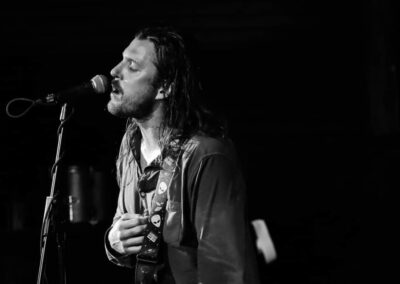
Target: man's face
x=133, y=87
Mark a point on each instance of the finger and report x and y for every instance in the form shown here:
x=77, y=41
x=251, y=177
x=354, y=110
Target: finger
x=128, y=216
x=127, y=250
x=132, y=232
x=128, y=224
x=143, y=220
x=136, y=241
x=132, y=250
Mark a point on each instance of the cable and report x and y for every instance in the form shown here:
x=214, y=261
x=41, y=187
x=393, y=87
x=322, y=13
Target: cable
x=32, y=104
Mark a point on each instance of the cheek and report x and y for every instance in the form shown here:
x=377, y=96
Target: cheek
x=143, y=90
x=139, y=84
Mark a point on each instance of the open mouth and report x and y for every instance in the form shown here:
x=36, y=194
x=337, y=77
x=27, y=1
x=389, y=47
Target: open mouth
x=115, y=88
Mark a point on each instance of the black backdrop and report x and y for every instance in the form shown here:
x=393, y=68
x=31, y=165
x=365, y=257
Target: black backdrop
x=310, y=91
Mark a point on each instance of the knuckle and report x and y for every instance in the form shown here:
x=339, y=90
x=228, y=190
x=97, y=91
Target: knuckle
x=117, y=225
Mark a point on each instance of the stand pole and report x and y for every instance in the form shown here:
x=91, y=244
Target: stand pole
x=48, y=210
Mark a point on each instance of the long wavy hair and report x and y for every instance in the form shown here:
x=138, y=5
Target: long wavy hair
x=184, y=112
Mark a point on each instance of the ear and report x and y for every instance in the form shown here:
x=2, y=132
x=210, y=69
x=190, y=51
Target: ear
x=163, y=92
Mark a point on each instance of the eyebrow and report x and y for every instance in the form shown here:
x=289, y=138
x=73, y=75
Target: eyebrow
x=126, y=56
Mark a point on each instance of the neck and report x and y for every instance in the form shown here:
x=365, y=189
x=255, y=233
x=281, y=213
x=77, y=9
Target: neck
x=150, y=137
x=150, y=129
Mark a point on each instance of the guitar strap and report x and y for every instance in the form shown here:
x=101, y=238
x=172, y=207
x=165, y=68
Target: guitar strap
x=148, y=260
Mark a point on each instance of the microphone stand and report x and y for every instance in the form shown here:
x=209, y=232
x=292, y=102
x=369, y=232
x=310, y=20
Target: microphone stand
x=49, y=210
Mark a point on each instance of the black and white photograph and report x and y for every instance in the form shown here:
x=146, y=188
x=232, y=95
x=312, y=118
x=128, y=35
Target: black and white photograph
x=208, y=142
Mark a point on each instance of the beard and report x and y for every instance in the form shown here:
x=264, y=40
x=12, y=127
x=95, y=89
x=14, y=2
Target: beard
x=126, y=108
x=139, y=105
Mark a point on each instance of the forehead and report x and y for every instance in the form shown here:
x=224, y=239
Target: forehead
x=141, y=50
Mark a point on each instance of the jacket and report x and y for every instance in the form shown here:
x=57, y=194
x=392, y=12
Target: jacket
x=206, y=231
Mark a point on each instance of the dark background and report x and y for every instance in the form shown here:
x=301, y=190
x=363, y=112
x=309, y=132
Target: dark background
x=310, y=90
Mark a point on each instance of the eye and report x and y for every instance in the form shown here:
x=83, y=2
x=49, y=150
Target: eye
x=132, y=65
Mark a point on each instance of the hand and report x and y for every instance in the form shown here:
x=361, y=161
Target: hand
x=126, y=236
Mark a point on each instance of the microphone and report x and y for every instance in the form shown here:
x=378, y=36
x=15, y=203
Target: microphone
x=97, y=85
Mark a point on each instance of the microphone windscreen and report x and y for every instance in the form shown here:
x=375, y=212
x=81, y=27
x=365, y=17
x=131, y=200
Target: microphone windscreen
x=100, y=84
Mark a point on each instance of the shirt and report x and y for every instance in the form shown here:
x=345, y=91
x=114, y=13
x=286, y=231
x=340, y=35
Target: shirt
x=206, y=232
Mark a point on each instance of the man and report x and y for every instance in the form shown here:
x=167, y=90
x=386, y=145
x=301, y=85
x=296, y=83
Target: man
x=181, y=215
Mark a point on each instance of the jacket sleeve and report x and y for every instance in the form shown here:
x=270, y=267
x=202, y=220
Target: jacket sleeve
x=112, y=255
x=225, y=252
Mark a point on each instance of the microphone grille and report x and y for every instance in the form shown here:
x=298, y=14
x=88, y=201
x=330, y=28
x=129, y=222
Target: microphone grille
x=100, y=84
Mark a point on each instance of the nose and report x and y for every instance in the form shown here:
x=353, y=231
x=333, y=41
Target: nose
x=116, y=71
